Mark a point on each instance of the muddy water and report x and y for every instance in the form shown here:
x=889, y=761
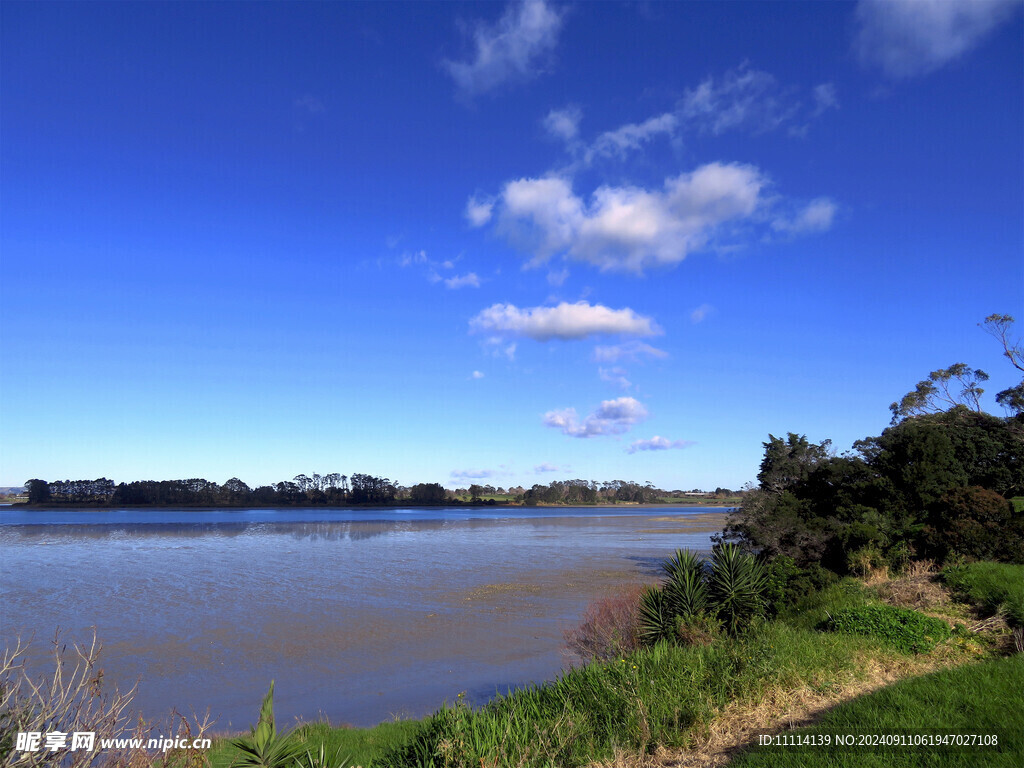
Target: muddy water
x=357, y=620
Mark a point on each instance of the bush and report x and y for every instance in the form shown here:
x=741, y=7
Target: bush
x=901, y=628
x=975, y=523
x=787, y=583
x=992, y=587
x=610, y=628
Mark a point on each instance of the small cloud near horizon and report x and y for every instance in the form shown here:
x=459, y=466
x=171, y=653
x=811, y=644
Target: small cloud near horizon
x=657, y=443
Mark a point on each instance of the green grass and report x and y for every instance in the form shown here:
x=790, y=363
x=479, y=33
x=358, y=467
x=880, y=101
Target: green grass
x=983, y=698
x=360, y=746
x=990, y=586
x=1018, y=503
x=907, y=630
x=656, y=696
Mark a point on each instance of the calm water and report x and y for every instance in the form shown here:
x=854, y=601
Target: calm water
x=358, y=616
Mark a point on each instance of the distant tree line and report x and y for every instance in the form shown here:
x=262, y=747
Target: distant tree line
x=335, y=490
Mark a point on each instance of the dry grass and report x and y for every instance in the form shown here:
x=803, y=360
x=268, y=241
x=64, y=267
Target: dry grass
x=921, y=592
x=71, y=697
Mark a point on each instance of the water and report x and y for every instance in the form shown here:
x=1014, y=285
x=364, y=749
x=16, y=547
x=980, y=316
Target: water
x=359, y=616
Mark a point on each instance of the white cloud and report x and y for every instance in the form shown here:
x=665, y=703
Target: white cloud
x=613, y=417
x=907, y=38
x=629, y=228
x=565, y=321
x=701, y=312
x=632, y=351
x=461, y=281
x=478, y=212
x=542, y=468
x=657, y=443
x=477, y=375
x=616, y=376
x=564, y=124
x=816, y=216
x=472, y=474
x=511, y=49
x=741, y=98
x=621, y=141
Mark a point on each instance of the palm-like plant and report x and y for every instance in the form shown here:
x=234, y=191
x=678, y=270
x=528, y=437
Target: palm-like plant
x=657, y=622
x=263, y=747
x=732, y=592
x=686, y=592
x=736, y=586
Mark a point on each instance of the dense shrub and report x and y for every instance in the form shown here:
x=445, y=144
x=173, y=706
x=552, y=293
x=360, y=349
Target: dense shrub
x=990, y=586
x=919, y=482
x=787, y=582
x=976, y=523
x=899, y=627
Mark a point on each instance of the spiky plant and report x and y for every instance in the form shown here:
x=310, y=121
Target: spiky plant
x=686, y=591
x=263, y=747
x=657, y=621
x=736, y=585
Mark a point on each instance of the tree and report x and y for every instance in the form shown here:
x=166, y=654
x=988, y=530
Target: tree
x=428, y=493
x=38, y=491
x=787, y=462
x=1011, y=398
x=934, y=394
x=975, y=522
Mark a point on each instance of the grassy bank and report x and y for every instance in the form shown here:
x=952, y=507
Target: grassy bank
x=668, y=700
x=982, y=699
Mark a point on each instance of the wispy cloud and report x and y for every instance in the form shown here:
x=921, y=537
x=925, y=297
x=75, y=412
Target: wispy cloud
x=472, y=474
x=512, y=49
x=612, y=417
x=631, y=351
x=816, y=216
x=910, y=38
x=623, y=140
x=410, y=258
x=741, y=98
x=540, y=469
x=477, y=375
x=701, y=312
x=310, y=104
x=564, y=123
x=564, y=321
x=657, y=443
x=616, y=376
x=461, y=281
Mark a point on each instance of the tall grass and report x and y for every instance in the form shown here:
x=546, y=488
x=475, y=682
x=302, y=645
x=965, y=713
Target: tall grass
x=991, y=586
x=656, y=696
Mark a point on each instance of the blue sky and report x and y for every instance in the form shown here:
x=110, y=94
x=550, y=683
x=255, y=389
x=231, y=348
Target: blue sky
x=508, y=243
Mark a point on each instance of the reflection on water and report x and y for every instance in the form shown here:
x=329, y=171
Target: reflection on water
x=356, y=619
